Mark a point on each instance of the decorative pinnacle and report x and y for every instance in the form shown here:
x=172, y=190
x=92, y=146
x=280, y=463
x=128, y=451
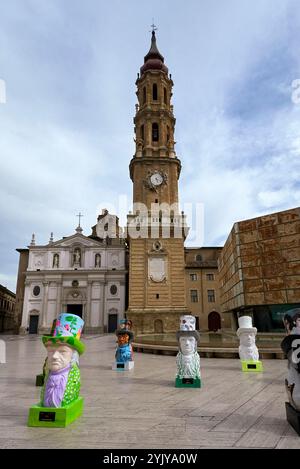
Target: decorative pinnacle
x=32, y=240
x=79, y=216
x=79, y=229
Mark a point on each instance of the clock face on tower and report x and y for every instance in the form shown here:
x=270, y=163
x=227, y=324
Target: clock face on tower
x=156, y=179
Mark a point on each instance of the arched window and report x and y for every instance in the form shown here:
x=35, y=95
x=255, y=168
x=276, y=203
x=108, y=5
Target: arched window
x=154, y=92
x=155, y=132
x=172, y=214
x=144, y=95
x=142, y=132
x=198, y=258
x=165, y=96
x=168, y=133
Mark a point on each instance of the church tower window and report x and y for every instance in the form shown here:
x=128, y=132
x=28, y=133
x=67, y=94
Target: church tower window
x=155, y=132
x=144, y=95
x=165, y=96
x=142, y=132
x=154, y=92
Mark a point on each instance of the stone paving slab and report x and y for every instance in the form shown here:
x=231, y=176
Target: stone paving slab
x=142, y=408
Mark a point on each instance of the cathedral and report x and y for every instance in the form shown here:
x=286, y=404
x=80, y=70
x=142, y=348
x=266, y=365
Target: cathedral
x=145, y=272
x=83, y=275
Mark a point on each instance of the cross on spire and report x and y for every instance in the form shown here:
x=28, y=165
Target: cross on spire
x=79, y=216
x=153, y=26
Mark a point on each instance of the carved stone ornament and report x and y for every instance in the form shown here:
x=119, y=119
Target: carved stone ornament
x=157, y=269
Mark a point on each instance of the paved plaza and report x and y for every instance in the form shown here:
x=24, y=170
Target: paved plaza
x=142, y=408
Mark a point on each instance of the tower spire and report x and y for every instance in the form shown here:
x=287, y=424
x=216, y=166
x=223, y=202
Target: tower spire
x=153, y=51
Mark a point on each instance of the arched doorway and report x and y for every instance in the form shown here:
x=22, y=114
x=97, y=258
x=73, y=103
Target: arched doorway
x=33, y=324
x=112, y=322
x=158, y=326
x=214, y=321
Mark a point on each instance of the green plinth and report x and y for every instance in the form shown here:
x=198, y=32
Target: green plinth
x=252, y=365
x=55, y=417
x=39, y=380
x=187, y=382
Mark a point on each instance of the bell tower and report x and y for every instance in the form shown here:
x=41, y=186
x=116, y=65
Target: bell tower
x=156, y=229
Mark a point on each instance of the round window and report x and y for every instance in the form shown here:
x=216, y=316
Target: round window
x=75, y=283
x=36, y=290
x=157, y=246
x=113, y=289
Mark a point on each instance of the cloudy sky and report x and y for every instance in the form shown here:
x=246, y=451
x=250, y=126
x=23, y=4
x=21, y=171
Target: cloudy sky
x=66, y=130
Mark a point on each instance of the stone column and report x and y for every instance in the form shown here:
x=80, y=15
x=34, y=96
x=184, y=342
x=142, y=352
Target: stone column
x=102, y=303
x=122, y=298
x=24, y=322
x=89, y=304
x=58, y=299
x=45, y=305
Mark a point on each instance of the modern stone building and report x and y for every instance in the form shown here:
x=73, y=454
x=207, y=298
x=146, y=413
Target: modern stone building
x=203, y=288
x=260, y=269
x=8, y=320
x=84, y=275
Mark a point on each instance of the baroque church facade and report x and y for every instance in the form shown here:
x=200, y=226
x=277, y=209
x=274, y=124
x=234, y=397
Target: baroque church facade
x=84, y=275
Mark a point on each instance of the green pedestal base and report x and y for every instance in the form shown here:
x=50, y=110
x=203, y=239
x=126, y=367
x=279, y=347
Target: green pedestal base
x=251, y=365
x=39, y=380
x=187, y=382
x=55, y=417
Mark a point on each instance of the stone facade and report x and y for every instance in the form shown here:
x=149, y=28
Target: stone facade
x=260, y=267
x=154, y=299
x=8, y=319
x=84, y=275
x=203, y=288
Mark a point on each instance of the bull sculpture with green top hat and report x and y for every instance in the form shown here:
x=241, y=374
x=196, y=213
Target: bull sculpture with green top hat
x=60, y=402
